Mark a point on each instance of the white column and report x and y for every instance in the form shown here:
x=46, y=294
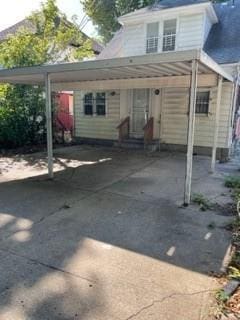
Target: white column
x=190, y=138
x=216, y=126
x=49, y=125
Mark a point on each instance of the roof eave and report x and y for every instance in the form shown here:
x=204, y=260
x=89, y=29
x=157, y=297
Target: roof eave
x=107, y=65
x=139, y=15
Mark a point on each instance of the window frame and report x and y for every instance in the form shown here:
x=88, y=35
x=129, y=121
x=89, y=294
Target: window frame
x=204, y=114
x=84, y=104
x=94, y=104
x=158, y=37
x=176, y=34
x=160, y=33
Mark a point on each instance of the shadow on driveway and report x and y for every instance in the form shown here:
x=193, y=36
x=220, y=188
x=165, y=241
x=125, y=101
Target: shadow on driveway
x=106, y=238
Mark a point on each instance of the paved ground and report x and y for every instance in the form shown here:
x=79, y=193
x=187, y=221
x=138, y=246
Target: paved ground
x=106, y=239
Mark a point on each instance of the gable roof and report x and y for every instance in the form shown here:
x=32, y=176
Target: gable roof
x=161, y=5
x=26, y=23
x=223, y=42
x=166, y=4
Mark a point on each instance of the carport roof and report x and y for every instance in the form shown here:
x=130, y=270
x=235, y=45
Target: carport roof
x=153, y=65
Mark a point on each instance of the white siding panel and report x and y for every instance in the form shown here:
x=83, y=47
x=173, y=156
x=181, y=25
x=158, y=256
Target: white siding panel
x=190, y=33
x=97, y=127
x=175, y=120
x=174, y=116
x=207, y=27
x=134, y=40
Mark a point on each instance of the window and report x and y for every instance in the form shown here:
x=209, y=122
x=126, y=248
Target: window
x=101, y=104
x=88, y=104
x=95, y=103
x=202, y=103
x=152, y=37
x=169, y=35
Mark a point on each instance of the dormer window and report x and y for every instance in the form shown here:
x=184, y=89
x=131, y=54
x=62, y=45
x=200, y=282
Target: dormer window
x=152, y=37
x=169, y=35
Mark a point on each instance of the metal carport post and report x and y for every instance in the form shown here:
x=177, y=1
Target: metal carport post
x=190, y=137
x=49, y=124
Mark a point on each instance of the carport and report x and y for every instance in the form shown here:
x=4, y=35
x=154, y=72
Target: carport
x=189, y=69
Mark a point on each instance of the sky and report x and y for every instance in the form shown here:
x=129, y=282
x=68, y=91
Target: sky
x=13, y=11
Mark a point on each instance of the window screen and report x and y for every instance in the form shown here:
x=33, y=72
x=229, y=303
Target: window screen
x=169, y=35
x=202, y=103
x=152, y=37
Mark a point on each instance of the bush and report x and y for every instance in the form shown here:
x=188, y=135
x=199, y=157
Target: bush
x=22, y=118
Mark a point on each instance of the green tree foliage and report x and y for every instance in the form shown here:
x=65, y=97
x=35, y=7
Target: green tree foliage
x=104, y=13
x=47, y=39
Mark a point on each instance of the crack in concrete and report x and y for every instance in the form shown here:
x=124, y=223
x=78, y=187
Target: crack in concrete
x=173, y=295
x=48, y=266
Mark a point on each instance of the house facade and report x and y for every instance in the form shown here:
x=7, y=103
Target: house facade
x=145, y=109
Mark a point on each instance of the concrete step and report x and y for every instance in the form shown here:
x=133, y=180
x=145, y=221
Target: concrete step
x=133, y=143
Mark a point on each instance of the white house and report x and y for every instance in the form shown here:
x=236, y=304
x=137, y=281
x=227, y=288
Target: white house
x=170, y=26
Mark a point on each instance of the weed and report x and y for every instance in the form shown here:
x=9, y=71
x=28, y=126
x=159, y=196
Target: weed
x=203, y=202
x=234, y=273
x=232, y=182
x=221, y=296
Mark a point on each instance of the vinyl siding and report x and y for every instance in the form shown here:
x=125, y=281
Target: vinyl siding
x=190, y=33
x=134, y=40
x=175, y=121
x=171, y=104
x=97, y=127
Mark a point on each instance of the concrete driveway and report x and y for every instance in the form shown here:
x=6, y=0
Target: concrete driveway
x=107, y=239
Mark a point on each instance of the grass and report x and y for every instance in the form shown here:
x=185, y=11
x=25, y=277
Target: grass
x=202, y=201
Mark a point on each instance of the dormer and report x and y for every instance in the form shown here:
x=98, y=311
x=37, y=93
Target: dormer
x=167, y=26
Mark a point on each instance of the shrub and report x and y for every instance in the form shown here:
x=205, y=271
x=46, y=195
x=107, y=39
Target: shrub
x=22, y=118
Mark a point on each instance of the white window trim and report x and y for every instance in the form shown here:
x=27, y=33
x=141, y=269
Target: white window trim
x=210, y=111
x=94, y=115
x=160, y=33
x=176, y=35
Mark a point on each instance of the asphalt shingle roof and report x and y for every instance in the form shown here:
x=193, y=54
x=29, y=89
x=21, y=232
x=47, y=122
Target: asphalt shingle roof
x=223, y=42
x=166, y=4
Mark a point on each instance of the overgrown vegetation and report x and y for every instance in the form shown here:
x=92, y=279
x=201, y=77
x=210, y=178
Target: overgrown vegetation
x=47, y=39
x=202, y=201
x=226, y=304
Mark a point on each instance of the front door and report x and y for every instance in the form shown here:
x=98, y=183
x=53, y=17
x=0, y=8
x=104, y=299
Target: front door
x=140, y=109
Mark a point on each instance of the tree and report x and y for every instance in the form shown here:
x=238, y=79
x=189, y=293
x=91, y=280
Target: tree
x=47, y=39
x=104, y=13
